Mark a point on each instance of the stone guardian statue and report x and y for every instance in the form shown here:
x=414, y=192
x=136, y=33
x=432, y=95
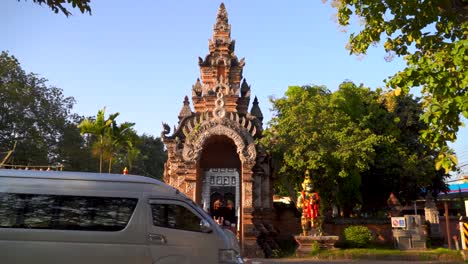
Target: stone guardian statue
x=308, y=205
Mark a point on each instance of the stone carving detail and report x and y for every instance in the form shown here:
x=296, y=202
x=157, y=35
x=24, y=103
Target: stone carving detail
x=180, y=181
x=248, y=194
x=242, y=139
x=219, y=111
x=173, y=180
x=191, y=126
x=197, y=87
x=166, y=130
x=190, y=185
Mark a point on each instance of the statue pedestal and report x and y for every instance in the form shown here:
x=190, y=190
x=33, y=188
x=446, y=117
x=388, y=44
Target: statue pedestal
x=306, y=243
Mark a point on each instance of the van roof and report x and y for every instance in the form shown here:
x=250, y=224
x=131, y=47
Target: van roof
x=85, y=176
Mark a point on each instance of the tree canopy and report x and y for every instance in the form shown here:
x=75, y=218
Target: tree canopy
x=32, y=114
x=359, y=145
x=61, y=5
x=432, y=38
x=38, y=128
x=152, y=157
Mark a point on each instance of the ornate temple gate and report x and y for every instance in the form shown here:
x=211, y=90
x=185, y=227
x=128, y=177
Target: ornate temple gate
x=212, y=153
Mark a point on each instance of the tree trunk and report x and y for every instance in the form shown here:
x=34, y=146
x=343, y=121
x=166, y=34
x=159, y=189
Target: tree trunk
x=110, y=164
x=100, y=162
x=100, y=156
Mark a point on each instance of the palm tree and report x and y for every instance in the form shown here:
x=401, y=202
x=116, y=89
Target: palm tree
x=132, y=154
x=98, y=128
x=118, y=137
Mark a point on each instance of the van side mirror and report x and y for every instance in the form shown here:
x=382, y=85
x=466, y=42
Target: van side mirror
x=205, y=226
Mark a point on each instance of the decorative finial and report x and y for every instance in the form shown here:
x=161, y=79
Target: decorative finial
x=222, y=17
x=255, y=111
x=197, y=88
x=185, y=111
x=186, y=100
x=222, y=13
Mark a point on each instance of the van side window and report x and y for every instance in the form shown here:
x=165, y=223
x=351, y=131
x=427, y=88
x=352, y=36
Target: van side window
x=64, y=212
x=175, y=216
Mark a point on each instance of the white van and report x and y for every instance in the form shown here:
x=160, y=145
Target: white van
x=86, y=218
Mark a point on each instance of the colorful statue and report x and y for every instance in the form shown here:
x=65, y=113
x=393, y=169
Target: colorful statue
x=308, y=204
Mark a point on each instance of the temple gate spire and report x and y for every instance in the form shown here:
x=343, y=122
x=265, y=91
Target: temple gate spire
x=219, y=140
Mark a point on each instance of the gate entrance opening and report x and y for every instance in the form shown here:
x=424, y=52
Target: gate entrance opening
x=220, y=188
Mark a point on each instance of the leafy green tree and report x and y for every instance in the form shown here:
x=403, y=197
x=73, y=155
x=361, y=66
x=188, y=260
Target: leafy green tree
x=403, y=164
x=60, y=5
x=74, y=152
x=152, y=157
x=431, y=37
x=38, y=119
x=99, y=128
x=359, y=145
x=308, y=132
x=32, y=114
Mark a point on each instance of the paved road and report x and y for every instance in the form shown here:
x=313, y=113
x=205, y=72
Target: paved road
x=304, y=261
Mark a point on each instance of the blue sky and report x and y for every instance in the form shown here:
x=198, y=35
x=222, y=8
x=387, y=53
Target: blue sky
x=139, y=58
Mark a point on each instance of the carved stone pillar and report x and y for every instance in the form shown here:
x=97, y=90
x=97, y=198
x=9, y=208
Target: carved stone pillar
x=191, y=180
x=249, y=244
x=247, y=185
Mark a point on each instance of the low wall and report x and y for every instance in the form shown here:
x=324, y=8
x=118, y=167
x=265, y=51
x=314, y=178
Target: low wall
x=287, y=221
x=288, y=224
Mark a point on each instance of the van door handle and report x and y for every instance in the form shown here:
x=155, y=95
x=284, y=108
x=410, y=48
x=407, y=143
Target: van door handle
x=157, y=238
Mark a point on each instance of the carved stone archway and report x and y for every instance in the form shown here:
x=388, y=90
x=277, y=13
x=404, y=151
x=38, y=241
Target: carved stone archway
x=244, y=141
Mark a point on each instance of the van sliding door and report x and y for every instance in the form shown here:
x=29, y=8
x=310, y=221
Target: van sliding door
x=175, y=234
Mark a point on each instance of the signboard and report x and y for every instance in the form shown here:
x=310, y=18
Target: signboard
x=398, y=222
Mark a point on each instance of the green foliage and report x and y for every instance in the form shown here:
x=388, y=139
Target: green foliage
x=315, y=249
x=34, y=115
x=119, y=137
x=351, y=141
x=60, y=5
x=152, y=157
x=39, y=119
x=404, y=165
x=357, y=236
x=431, y=36
x=111, y=139
x=99, y=128
x=316, y=130
x=73, y=150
